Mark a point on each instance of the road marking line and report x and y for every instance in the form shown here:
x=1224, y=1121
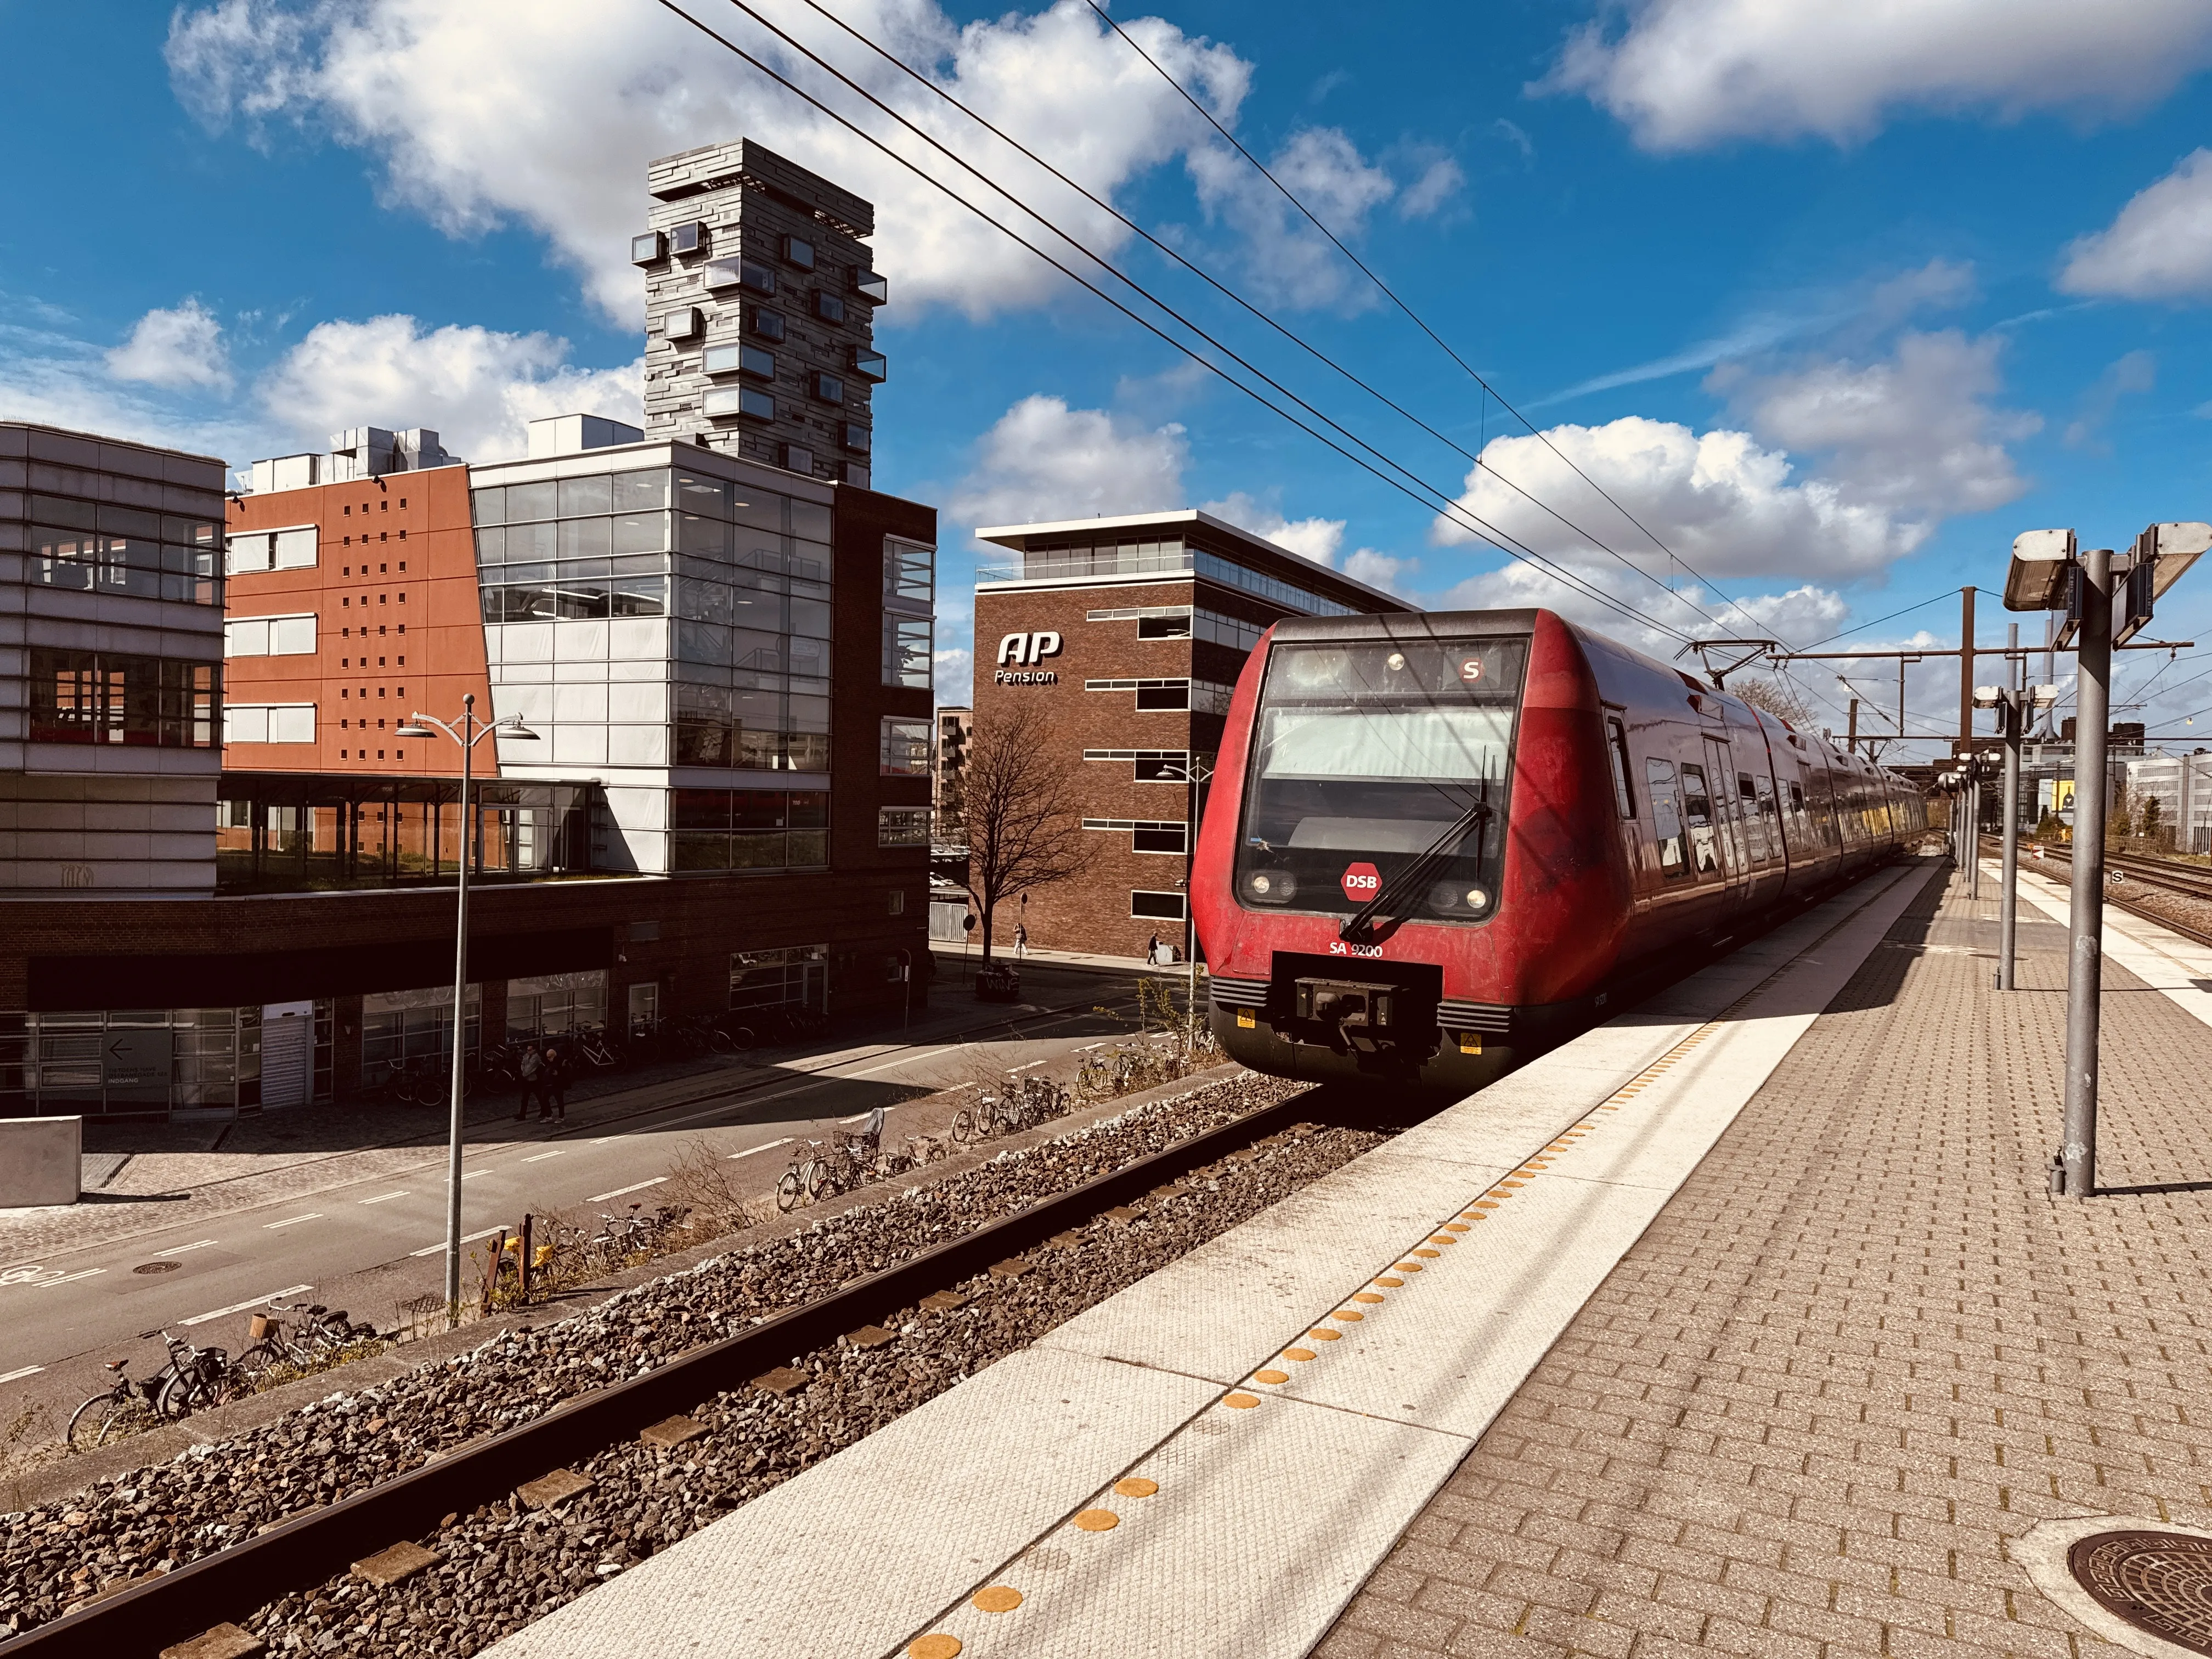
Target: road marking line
x=467, y=1238
x=384, y=1197
x=240, y=1307
x=539, y=1157
x=180, y=1248
x=765, y=1146
x=294, y=1220
x=67, y=1278
x=474, y=1174
x=634, y=1187
x=17, y=1377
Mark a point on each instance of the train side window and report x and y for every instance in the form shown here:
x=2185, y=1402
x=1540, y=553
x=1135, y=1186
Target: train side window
x=1697, y=807
x=1666, y=814
x=1797, y=800
x=1623, y=800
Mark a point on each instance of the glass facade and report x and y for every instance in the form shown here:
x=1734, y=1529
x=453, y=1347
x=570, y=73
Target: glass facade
x=723, y=830
x=121, y=550
x=153, y=702
x=132, y=1061
x=1148, y=557
x=405, y=1029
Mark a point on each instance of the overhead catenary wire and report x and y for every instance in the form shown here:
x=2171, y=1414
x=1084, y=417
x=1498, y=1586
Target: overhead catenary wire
x=1413, y=485
x=1200, y=271
x=1413, y=316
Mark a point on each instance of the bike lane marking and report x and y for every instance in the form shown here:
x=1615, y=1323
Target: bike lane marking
x=17, y=1377
x=178, y=1249
x=765, y=1146
x=240, y=1307
x=469, y=1238
x=539, y=1157
x=384, y=1197
x=67, y=1278
x=294, y=1220
x=620, y=1192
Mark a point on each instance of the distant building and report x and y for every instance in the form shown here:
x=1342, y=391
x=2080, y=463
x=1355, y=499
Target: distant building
x=1130, y=632
x=955, y=725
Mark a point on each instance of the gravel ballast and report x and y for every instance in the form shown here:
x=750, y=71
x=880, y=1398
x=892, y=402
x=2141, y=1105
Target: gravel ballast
x=503, y=1566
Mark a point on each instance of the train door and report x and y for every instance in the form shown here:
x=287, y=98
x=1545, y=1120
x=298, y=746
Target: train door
x=1728, y=814
x=1697, y=815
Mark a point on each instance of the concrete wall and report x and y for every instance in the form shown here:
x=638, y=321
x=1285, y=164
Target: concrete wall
x=41, y=1160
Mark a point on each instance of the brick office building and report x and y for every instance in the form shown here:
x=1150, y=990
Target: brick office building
x=725, y=666
x=1129, y=634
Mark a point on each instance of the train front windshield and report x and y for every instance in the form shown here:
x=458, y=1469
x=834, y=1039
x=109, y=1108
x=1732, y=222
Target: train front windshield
x=1367, y=758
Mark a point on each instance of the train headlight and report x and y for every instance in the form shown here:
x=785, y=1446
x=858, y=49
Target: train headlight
x=1396, y=659
x=1272, y=886
x=1449, y=898
x=1476, y=898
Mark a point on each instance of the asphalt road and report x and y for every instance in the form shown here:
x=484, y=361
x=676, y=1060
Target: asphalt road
x=370, y=1243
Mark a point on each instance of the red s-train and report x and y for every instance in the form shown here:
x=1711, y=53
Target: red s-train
x=1440, y=842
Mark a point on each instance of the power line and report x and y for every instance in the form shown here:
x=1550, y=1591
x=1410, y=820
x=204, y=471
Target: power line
x=1418, y=321
x=1441, y=503
x=1200, y=271
x=1860, y=628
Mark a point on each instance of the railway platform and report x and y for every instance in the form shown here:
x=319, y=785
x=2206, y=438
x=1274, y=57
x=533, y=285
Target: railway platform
x=1743, y=1322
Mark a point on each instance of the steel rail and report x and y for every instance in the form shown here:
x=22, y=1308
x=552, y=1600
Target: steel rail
x=296, y=1554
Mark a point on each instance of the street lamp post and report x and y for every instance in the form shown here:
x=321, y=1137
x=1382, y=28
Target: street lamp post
x=468, y=733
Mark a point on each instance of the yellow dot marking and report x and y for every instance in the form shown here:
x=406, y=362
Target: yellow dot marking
x=1348, y=1316
x=1497, y=1192
x=1271, y=1376
x=1240, y=1402
x=939, y=1646
x=1325, y=1335
x=1409, y=1266
x=1455, y=1226
x=997, y=1598
x=1299, y=1354
x=1136, y=1486
x=1510, y=1185
x=1443, y=1239
x=1481, y=1217
x=1098, y=1520
x=1388, y=1283
x=1429, y=1254
x=1368, y=1296
x=1486, y=1204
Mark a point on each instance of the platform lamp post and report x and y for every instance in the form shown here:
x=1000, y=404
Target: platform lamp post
x=2050, y=572
x=2016, y=706
x=468, y=732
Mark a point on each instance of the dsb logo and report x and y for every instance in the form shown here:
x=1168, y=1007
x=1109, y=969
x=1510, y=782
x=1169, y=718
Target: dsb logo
x=1361, y=882
x=1027, y=650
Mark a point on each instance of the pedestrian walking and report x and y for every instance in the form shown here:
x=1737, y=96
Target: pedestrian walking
x=531, y=1070
x=1152, y=950
x=555, y=1089
x=1021, y=941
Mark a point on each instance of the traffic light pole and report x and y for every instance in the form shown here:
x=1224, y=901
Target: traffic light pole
x=2077, y=1154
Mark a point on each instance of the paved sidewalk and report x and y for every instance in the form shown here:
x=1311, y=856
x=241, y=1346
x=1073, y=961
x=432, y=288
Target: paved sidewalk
x=192, y=1172
x=1860, y=1353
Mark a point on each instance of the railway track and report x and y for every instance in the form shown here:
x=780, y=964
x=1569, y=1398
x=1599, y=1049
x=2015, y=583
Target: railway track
x=295, y=1556
x=2159, y=873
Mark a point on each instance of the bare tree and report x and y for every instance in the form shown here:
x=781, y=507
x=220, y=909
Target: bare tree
x=1775, y=698
x=1023, y=813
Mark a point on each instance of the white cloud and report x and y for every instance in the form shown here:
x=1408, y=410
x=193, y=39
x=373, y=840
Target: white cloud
x=1725, y=506
x=2159, y=247
x=1914, y=434
x=956, y=674
x=2126, y=375
x=1687, y=73
x=1440, y=181
x=174, y=349
x=476, y=388
x=1286, y=261
x=1317, y=538
x=546, y=112
x=1042, y=461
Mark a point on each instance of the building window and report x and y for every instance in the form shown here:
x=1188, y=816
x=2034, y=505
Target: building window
x=828, y=306
x=1169, y=694
x=290, y=549
x=269, y=636
x=1148, y=765
x=829, y=388
x=870, y=287
x=767, y=979
x=870, y=365
x=905, y=749
x=647, y=248
x=908, y=648
x=858, y=437
x=902, y=826
x=724, y=401
x=690, y=237
x=1156, y=907
x=95, y=696
x=269, y=722
x=798, y=251
x=748, y=830
x=683, y=323
x=739, y=360
x=769, y=324
x=1163, y=628
x=1147, y=835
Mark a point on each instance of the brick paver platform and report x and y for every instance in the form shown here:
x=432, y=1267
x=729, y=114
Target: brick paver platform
x=1859, y=1351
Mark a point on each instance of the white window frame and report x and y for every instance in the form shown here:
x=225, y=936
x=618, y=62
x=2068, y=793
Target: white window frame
x=885, y=834
x=285, y=547
x=260, y=636
x=259, y=722
x=1182, y=903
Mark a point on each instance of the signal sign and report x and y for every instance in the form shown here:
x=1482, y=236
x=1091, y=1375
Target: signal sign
x=1471, y=670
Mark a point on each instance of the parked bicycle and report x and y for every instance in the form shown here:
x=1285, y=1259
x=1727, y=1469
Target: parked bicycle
x=591, y=1046
x=191, y=1379
x=303, y=1343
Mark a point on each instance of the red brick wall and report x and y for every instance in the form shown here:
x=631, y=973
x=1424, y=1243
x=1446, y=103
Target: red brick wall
x=393, y=553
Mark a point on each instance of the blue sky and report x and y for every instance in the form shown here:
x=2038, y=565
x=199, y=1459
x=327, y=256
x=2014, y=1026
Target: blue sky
x=1831, y=301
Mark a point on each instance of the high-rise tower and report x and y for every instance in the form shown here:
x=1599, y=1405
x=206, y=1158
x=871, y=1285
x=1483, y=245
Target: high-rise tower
x=760, y=311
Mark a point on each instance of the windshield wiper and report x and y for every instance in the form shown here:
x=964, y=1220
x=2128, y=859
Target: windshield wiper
x=1399, y=890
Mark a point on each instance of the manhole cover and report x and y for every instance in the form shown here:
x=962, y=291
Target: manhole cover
x=156, y=1267
x=2159, y=1581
